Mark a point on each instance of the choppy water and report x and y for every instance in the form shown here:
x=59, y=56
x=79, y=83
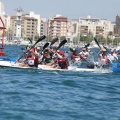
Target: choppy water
x=54, y=95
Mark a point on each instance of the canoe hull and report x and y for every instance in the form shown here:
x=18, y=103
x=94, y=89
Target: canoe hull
x=42, y=67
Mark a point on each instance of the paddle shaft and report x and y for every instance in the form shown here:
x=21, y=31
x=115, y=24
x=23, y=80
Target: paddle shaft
x=62, y=43
x=97, y=43
x=40, y=39
x=45, y=46
x=53, y=41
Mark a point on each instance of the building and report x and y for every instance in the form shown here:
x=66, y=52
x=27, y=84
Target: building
x=94, y=27
x=2, y=8
x=117, y=28
x=38, y=18
x=72, y=30
x=57, y=26
x=30, y=26
x=44, y=27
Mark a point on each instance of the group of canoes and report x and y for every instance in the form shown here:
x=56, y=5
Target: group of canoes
x=55, y=58
x=50, y=57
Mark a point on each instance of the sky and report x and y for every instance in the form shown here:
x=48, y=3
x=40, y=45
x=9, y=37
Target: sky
x=73, y=9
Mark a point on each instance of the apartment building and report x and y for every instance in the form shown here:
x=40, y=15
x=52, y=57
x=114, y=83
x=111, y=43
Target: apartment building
x=30, y=25
x=72, y=30
x=57, y=26
x=2, y=8
x=117, y=28
x=95, y=27
x=44, y=27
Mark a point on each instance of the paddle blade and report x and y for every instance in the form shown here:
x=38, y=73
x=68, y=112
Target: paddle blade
x=72, y=50
x=45, y=46
x=53, y=41
x=87, y=45
x=30, y=40
x=105, y=48
x=97, y=43
x=62, y=43
x=40, y=39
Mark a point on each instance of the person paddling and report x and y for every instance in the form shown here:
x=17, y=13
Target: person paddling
x=62, y=60
x=84, y=53
x=38, y=53
x=59, y=57
x=75, y=57
x=48, y=60
x=103, y=60
x=31, y=60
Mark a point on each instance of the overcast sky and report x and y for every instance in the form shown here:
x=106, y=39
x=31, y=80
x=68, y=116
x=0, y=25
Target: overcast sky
x=104, y=9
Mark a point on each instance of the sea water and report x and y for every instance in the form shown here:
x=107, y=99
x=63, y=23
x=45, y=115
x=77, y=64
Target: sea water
x=32, y=94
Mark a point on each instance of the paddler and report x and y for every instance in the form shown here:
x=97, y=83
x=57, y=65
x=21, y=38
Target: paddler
x=31, y=59
x=84, y=53
x=103, y=60
x=75, y=57
x=38, y=53
x=62, y=60
x=48, y=60
x=59, y=57
x=113, y=56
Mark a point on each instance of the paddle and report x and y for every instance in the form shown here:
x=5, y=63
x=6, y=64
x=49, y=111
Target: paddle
x=45, y=46
x=23, y=49
x=86, y=46
x=61, y=44
x=88, y=62
x=30, y=40
x=72, y=50
x=53, y=41
x=97, y=43
x=40, y=39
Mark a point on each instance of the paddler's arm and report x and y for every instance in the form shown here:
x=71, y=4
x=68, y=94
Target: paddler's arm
x=59, y=56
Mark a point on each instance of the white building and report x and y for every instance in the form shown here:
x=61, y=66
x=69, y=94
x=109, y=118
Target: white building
x=2, y=12
x=72, y=30
x=94, y=26
x=36, y=16
x=2, y=15
x=57, y=26
x=44, y=27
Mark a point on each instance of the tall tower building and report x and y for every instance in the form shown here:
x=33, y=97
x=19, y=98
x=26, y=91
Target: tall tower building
x=18, y=23
x=2, y=8
x=2, y=13
x=58, y=26
x=118, y=24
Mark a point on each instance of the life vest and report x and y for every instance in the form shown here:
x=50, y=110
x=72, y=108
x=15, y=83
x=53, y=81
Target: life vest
x=104, y=59
x=48, y=60
x=32, y=61
x=63, y=63
x=84, y=55
x=74, y=58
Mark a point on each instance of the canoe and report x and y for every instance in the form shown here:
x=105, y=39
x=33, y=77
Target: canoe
x=10, y=63
x=116, y=67
x=70, y=68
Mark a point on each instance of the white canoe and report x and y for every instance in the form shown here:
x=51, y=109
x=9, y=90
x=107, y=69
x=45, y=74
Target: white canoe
x=43, y=67
x=11, y=64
